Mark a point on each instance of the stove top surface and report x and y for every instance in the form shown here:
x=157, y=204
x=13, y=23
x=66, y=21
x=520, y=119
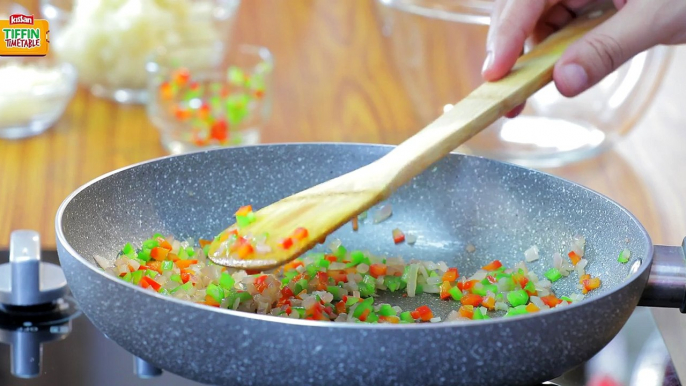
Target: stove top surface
x=76, y=353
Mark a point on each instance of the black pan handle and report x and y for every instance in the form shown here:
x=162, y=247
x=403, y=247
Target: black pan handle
x=666, y=285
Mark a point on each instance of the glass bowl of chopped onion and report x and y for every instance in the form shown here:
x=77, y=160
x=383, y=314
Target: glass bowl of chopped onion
x=109, y=41
x=34, y=94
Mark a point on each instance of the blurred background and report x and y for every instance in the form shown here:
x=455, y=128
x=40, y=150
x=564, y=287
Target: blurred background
x=131, y=80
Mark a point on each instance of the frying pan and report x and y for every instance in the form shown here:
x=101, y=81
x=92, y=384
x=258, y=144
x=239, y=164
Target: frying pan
x=499, y=208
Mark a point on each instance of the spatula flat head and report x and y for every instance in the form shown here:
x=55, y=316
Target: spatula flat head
x=319, y=210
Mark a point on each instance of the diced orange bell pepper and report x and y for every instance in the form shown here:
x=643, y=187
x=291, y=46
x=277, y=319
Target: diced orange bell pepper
x=300, y=233
x=466, y=312
x=488, y=302
x=337, y=275
x=445, y=287
x=185, y=263
x=451, y=275
x=159, y=253
x=590, y=285
x=390, y=319
x=164, y=243
x=244, y=210
x=155, y=266
x=210, y=301
x=377, y=270
x=551, y=301
x=340, y=307
x=574, y=257
x=204, y=242
x=466, y=286
x=532, y=307
x=150, y=282
x=471, y=300
x=245, y=250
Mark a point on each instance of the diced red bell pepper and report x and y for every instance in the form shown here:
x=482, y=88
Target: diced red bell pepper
x=424, y=313
x=445, y=287
x=471, y=300
x=150, y=282
x=377, y=270
x=287, y=291
x=363, y=316
x=331, y=258
x=520, y=279
x=550, y=300
x=181, y=76
x=466, y=286
x=260, y=283
x=398, y=236
x=356, y=225
x=166, y=91
x=491, y=279
x=574, y=257
x=286, y=243
x=451, y=275
x=219, y=130
x=466, y=312
x=300, y=233
x=340, y=307
x=185, y=276
x=322, y=281
x=159, y=253
x=492, y=266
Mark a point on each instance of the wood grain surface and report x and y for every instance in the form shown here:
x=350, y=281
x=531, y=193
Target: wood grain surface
x=334, y=81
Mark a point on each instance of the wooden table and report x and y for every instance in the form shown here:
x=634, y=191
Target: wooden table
x=334, y=82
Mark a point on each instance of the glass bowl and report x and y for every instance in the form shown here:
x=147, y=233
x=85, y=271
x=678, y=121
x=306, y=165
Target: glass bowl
x=109, y=41
x=222, y=100
x=438, y=47
x=34, y=94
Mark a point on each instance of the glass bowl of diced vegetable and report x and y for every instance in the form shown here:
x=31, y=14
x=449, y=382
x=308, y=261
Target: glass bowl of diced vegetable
x=198, y=104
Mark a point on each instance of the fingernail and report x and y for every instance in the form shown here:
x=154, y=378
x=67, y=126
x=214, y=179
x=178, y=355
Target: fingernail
x=487, y=62
x=574, y=78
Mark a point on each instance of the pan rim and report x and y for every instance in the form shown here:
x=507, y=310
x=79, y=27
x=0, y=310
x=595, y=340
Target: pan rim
x=646, y=261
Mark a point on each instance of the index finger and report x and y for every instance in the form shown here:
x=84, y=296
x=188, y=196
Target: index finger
x=512, y=24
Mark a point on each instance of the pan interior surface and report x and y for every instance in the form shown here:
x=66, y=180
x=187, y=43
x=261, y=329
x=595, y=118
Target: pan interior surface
x=498, y=208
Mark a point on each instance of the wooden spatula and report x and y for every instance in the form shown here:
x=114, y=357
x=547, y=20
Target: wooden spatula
x=324, y=208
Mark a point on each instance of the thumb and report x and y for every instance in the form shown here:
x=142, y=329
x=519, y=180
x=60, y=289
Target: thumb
x=605, y=48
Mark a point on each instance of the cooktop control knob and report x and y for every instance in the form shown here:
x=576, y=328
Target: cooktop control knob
x=25, y=280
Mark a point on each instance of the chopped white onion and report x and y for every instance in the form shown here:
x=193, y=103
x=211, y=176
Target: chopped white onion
x=336, y=266
x=382, y=214
x=410, y=238
x=362, y=268
x=576, y=297
x=557, y=260
x=521, y=265
x=435, y=320
x=470, y=248
x=479, y=275
x=103, y=262
x=501, y=306
x=531, y=254
x=431, y=289
x=412, y=280
x=434, y=280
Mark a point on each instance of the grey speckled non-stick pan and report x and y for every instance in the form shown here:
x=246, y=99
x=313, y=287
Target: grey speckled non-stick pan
x=499, y=208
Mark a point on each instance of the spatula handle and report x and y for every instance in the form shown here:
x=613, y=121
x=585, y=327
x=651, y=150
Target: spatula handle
x=485, y=105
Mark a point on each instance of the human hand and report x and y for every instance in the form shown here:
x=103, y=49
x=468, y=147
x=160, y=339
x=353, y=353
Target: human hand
x=637, y=26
